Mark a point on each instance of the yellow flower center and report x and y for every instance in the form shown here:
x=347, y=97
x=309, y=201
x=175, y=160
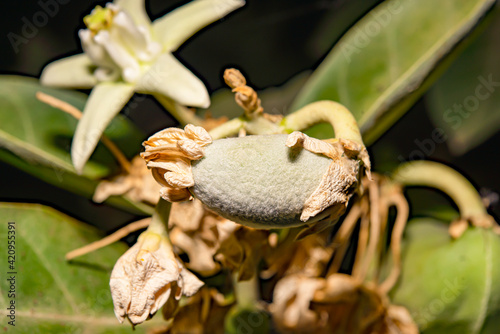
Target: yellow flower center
x=99, y=19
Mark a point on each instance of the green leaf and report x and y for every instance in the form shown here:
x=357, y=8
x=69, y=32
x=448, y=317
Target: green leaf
x=72, y=182
x=465, y=101
x=52, y=295
x=103, y=105
x=450, y=286
x=36, y=138
x=383, y=64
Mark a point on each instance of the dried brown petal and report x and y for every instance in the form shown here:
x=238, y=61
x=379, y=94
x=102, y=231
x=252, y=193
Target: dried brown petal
x=336, y=188
x=198, y=134
x=202, y=313
x=299, y=139
x=291, y=300
x=146, y=276
x=199, y=233
x=339, y=304
x=138, y=185
x=339, y=182
x=169, y=154
x=242, y=250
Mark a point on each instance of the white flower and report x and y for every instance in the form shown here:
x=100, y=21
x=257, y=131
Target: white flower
x=124, y=52
x=146, y=276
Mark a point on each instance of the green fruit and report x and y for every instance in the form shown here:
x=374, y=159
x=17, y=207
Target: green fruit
x=257, y=180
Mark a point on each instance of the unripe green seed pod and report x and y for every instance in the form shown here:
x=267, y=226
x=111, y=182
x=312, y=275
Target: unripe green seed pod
x=264, y=181
x=257, y=180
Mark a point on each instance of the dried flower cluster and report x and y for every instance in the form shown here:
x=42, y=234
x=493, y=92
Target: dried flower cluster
x=147, y=276
x=336, y=304
x=245, y=96
x=339, y=182
x=211, y=241
x=137, y=184
x=169, y=154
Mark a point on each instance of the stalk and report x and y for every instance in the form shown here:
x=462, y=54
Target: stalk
x=343, y=122
x=446, y=179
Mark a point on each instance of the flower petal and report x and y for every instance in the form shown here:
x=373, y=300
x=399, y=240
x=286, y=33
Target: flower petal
x=74, y=71
x=104, y=103
x=136, y=9
x=191, y=283
x=170, y=78
x=176, y=27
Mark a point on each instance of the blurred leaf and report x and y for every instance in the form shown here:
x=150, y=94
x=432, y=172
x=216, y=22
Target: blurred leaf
x=337, y=19
x=70, y=181
x=382, y=65
x=40, y=138
x=40, y=133
x=246, y=320
x=52, y=295
x=462, y=102
x=450, y=286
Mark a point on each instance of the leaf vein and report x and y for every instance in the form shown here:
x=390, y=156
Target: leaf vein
x=46, y=263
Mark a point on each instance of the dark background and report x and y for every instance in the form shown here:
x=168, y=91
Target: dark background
x=270, y=41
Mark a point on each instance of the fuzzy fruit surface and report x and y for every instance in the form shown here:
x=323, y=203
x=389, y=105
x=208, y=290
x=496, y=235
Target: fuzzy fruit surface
x=257, y=180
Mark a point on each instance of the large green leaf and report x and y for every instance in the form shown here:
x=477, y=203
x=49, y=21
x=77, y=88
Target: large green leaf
x=52, y=295
x=465, y=101
x=450, y=286
x=40, y=138
x=382, y=64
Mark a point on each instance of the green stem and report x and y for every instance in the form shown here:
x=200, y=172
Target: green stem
x=257, y=125
x=446, y=179
x=343, y=122
x=159, y=221
x=247, y=292
x=181, y=113
x=228, y=129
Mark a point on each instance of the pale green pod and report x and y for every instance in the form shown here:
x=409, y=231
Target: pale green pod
x=257, y=180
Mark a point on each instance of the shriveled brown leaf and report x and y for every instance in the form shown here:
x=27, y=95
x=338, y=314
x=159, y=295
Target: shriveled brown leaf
x=201, y=313
x=339, y=304
x=198, y=232
x=242, y=250
x=138, y=184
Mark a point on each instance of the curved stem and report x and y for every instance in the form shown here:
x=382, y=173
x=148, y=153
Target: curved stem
x=439, y=176
x=343, y=122
x=403, y=211
x=159, y=221
x=342, y=237
x=257, y=125
x=363, y=238
x=181, y=113
x=247, y=292
x=228, y=129
x=374, y=232
x=108, y=240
